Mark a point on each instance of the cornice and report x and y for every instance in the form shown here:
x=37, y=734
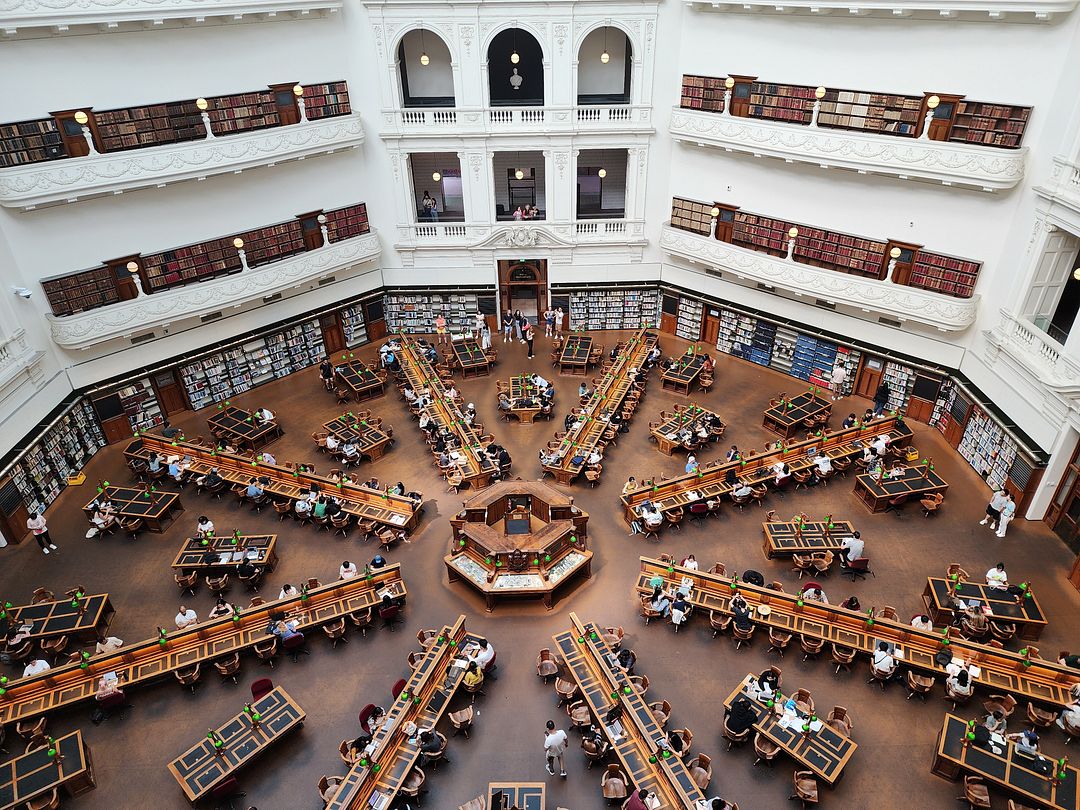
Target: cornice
x=148, y=312
x=45, y=17
x=1024, y=11
x=73, y=179
x=451, y=236
x=871, y=296
x=982, y=167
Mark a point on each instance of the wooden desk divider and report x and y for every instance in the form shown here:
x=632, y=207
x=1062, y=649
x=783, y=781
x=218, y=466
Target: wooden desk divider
x=156, y=657
x=395, y=511
x=423, y=701
x=1045, y=682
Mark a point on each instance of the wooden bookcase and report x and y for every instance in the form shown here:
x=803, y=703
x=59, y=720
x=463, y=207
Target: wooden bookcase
x=862, y=111
x=243, y=112
x=30, y=142
x=347, y=222
x=77, y=292
x=197, y=262
x=272, y=243
x=702, y=93
x=688, y=215
x=327, y=100
x=792, y=103
x=978, y=122
x=944, y=274
x=154, y=125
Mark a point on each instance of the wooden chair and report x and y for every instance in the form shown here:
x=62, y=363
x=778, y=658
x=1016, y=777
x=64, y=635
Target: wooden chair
x=614, y=784
x=822, y=562
x=462, y=720
x=1006, y=704
x=778, y=641
x=802, y=478
x=640, y=684
x=436, y=757
x=546, y=665
x=803, y=564
x=741, y=637
x=413, y=783
x=741, y=500
x=613, y=636
x=335, y=632
x=49, y=801
x=267, y=650
x=879, y=677
x=55, y=646
x=734, y=738
x=719, y=622
x=362, y=620
x=976, y=793
x=840, y=720
x=28, y=729
x=579, y=714
x=283, y=509
x=566, y=690
x=325, y=784
x=218, y=585
x=648, y=613
x=687, y=738
x=229, y=667
x=132, y=527
x=889, y=612
x=476, y=688
x=804, y=701
x=595, y=751
x=674, y=518
x=42, y=595
x=187, y=583
x=765, y=750
x=805, y=788
x=931, y=503
x=188, y=677
x=1002, y=631
x=919, y=685
x=1040, y=718
x=700, y=768
x=954, y=570
x=811, y=647
x=661, y=711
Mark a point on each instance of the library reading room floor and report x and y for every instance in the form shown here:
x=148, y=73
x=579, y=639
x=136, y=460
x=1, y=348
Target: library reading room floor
x=691, y=670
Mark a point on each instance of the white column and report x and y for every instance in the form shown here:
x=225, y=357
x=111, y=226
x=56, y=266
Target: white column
x=1060, y=456
x=571, y=179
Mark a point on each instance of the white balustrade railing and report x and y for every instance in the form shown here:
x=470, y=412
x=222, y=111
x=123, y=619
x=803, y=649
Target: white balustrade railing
x=429, y=118
x=488, y=120
x=1036, y=350
x=600, y=227
x=444, y=230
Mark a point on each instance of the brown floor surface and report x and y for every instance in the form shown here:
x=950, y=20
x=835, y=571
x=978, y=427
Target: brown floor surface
x=691, y=670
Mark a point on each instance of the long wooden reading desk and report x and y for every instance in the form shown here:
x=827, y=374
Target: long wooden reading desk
x=360, y=380
x=1046, y=682
x=243, y=738
x=916, y=482
x=370, y=440
x=144, y=661
x=156, y=508
x=517, y=795
x=243, y=428
x=574, y=356
x=87, y=618
x=472, y=462
x=607, y=397
x=366, y=504
x=685, y=418
x=34, y=774
x=1025, y=613
x=524, y=399
x=219, y=553
x=709, y=482
x=1010, y=770
x=824, y=751
x=605, y=687
x=786, y=418
x=785, y=538
x=470, y=358
x=374, y=781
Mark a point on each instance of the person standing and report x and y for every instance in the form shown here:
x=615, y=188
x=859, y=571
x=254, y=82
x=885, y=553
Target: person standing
x=881, y=398
x=559, y=315
x=838, y=378
x=549, y=322
x=36, y=524
x=440, y=328
x=1008, y=510
x=527, y=334
x=993, y=509
x=554, y=747
x=427, y=204
x=485, y=338
x=517, y=324
x=508, y=326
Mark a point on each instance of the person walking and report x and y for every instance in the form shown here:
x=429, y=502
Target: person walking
x=881, y=398
x=1008, y=510
x=993, y=509
x=555, y=741
x=559, y=315
x=36, y=524
x=528, y=335
x=838, y=378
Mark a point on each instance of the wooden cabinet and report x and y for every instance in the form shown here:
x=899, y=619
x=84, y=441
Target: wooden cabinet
x=944, y=115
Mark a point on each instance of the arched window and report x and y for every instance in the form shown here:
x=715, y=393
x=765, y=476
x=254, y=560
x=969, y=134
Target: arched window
x=605, y=61
x=430, y=84
x=515, y=69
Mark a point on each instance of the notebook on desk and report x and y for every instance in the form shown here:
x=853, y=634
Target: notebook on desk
x=378, y=801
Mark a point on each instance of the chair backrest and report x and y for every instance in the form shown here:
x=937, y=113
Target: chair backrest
x=389, y=612
x=112, y=700
x=261, y=687
x=398, y=687
x=860, y=564
x=292, y=642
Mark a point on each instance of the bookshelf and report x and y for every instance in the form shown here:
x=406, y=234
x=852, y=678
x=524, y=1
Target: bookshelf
x=243, y=112
x=30, y=142
x=688, y=215
x=154, y=125
x=736, y=332
x=415, y=313
x=613, y=309
x=347, y=222
x=140, y=405
x=813, y=360
x=272, y=243
x=259, y=360
x=760, y=347
x=781, y=102
x=982, y=123
x=814, y=246
x=77, y=292
x=688, y=325
x=702, y=93
x=197, y=262
x=353, y=326
x=882, y=113
x=761, y=233
x=901, y=380
x=944, y=274
x=987, y=448
x=784, y=348
x=326, y=100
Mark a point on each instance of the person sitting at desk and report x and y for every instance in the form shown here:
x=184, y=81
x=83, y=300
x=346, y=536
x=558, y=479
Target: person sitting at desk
x=653, y=356
x=741, y=490
x=287, y=591
x=849, y=421
x=995, y=722
x=733, y=454
x=540, y=382
x=813, y=593
x=1071, y=713
x=36, y=667
x=211, y=479
x=868, y=454
x=880, y=445
x=358, y=747
x=1067, y=660
x=504, y=402
x=283, y=629
x=824, y=465
x=108, y=644
x=253, y=489
x=425, y=422
x=547, y=394
x=1027, y=742
x=851, y=603
x=594, y=458
x=883, y=660
x=651, y=515
x=690, y=562
x=765, y=685
x=701, y=433
x=707, y=364
x=102, y=519
x=583, y=391
x=740, y=609
x=852, y=546
x=247, y=569
x=714, y=804
x=781, y=472
x=333, y=507
x=741, y=716
x=639, y=799
x=176, y=471
x=302, y=507
x=268, y=457
x=660, y=602
x=319, y=510
x=221, y=608
x=680, y=609
x=451, y=392
x=997, y=578
x=379, y=561
x=484, y=653
x=347, y=570
x=349, y=451
x=429, y=744
x=638, y=375
x=473, y=676
x=107, y=687
x=504, y=458
x=691, y=464
x=409, y=394
x=265, y=414
x=922, y=622
x=961, y=683
x=185, y=617
x=167, y=430
x=205, y=526
x=154, y=462
x=868, y=416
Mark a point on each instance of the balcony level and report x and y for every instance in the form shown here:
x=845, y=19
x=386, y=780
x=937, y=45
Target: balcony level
x=58, y=182
x=42, y=18
x=539, y=120
x=867, y=298
x=985, y=168
x=1014, y=11
x=1037, y=354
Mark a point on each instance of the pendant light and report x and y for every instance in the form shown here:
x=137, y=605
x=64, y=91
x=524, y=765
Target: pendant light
x=514, y=58
x=436, y=176
x=602, y=174
x=424, y=59
x=605, y=57
x=518, y=173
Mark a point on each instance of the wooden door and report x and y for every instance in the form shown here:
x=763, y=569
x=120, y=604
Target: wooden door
x=285, y=101
x=944, y=115
x=725, y=223
x=902, y=269
x=13, y=512
x=740, y=95
x=332, y=334
x=309, y=228
x=669, y=314
x=374, y=319
x=1063, y=516
x=170, y=394
x=710, y=328
x=71, y=132
x=866, y=384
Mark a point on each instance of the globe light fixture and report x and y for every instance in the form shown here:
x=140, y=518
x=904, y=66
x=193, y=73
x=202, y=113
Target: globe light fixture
x=436, y=176
x=602, y=173
x=202, y=104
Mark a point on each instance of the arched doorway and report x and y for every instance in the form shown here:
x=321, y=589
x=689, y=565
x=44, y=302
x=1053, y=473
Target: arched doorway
x=424, y=67
x=515, y=69
x=605, y=62
x=523, y=286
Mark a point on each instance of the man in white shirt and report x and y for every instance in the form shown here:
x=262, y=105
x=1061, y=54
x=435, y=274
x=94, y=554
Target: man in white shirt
x=347, y=570
x=287, y=590
x=205, y=527
x=36, y=667
x=852, y=546
x=824, y=464
x=484, y=653
x=265, y=414
x=185, y=617
x=838, y=378
x=555, y=741
x=302, y=507
x=997, y=578
x=268, y=458
x=880, y=443
x=883, y=659
x=922, y=622
x=36, y=524
x=1008, y=510
x=108, y=644
x=993, y=509
x=742, y=489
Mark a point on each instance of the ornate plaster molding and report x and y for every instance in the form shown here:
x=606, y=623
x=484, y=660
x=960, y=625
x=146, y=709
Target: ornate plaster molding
x=992, y=10
x=868, y=295
x=74, y=179
x=1039, y=355
x=982, y=167
x=60, y=16
x=590, y=119
x=455, y=236
x=149, y=312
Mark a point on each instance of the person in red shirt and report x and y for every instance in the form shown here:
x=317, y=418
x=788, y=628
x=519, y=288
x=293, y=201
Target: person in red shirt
x=637, y=801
